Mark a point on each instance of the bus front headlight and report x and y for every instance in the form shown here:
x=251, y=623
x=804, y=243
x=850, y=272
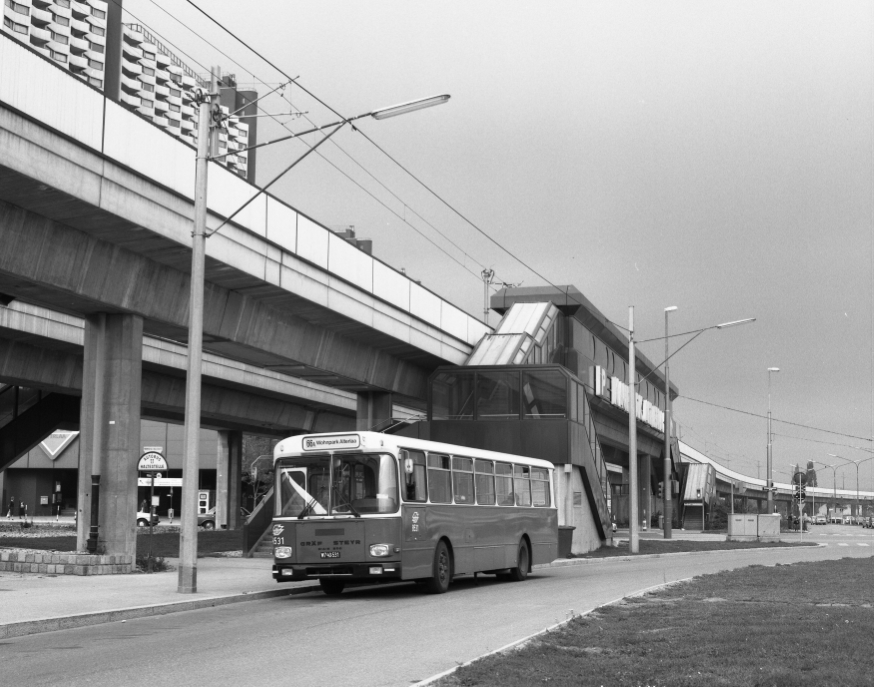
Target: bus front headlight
x=380, y=550
x=282, y=552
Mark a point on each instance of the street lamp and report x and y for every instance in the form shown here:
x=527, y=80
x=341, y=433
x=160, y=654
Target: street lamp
x=210, y=120
x=834, y=479
x=633, y=533
x=667, y=504
x=768, y=476
x=857, y=463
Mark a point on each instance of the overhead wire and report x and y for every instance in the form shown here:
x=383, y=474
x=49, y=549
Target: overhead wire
x=294, y=81
x=384, y=152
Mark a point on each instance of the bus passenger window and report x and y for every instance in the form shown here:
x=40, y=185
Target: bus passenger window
x=540, y=486
x=485, y=482
x=415, y=483
x=522, y=485
x=439, y=481
x=504, y=484
x=462, y=479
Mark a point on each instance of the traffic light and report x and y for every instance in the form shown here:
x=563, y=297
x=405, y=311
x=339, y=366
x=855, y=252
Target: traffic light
x=661, y=489
x=803, y=492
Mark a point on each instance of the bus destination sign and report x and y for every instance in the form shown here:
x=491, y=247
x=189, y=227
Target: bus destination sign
x=338, y=441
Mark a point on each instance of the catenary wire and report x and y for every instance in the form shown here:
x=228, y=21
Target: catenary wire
x=346, y=153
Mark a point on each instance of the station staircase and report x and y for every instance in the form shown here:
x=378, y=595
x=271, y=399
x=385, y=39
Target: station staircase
x=28, y=416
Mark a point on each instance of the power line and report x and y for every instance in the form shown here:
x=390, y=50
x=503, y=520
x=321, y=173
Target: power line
x=774, y=419
x=383, y=151
x=331, y=163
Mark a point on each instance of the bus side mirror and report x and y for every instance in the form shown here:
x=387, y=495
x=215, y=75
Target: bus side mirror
x=408, y=466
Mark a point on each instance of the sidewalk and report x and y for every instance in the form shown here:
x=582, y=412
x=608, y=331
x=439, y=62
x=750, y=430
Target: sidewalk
x=42, y=603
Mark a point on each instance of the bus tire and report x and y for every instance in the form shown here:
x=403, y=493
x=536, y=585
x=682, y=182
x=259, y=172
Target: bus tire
x=523, y=559
x=441, y=570
x=332, y=587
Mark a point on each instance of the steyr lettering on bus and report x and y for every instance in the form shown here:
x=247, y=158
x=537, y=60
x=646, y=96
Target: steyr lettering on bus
x=310, y=543
x=347, y=541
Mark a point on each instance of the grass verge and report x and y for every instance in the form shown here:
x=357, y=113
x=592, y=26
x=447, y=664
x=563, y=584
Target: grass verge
x=164, y=544
x=651, y=546
x=807, y=624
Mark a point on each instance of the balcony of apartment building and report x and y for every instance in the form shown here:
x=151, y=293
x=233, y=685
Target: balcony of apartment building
x=38, y=16
x=79, y=28
x=132, y=100
x=132, y=35
x=77, y=62
x=79, y=10
x=188, y=82
x=59, y=10
x=39, y=37
x=17, y=12
x=132, y=69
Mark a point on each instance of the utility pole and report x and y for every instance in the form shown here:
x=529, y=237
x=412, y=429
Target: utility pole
x=633, y=534
x=487, y=274
x=207, y=144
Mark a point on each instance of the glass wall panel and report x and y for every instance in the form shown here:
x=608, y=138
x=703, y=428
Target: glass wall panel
x=497, y=395
x=452, y=396
x=544, y=394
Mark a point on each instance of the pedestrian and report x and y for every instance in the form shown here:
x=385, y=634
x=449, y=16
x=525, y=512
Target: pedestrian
x=143, y=506
x=170, y=514
x=21, y=510
x=11, y=507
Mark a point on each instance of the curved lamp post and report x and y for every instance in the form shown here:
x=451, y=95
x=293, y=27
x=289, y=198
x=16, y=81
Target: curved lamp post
x=633, y=532
x=210, y=120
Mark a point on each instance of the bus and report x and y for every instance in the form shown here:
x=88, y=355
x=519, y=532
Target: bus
x=371, y=507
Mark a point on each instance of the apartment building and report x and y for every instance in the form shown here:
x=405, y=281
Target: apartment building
x=151, y=80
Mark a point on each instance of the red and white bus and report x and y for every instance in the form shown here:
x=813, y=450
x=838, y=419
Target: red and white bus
x=365, y=506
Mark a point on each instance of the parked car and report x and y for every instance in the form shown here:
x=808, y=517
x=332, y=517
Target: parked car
x=820, y=520
x=207, y=520
x=143, y=519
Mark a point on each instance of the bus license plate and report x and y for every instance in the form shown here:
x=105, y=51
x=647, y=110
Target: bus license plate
x=330, y=554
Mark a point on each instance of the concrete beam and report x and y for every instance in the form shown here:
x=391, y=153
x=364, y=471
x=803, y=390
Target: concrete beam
x=54, y=265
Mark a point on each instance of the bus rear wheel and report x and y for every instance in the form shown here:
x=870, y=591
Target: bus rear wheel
x=520, y=573
x=332, y=587
x=441, y=571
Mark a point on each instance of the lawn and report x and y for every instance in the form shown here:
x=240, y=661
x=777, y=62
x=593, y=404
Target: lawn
x=807, y=624
x=164, y=544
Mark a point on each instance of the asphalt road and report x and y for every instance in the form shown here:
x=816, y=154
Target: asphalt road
x=371, y=636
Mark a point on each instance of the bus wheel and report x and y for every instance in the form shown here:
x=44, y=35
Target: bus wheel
x=519, y=573
x=332, y=587
x=441, y=571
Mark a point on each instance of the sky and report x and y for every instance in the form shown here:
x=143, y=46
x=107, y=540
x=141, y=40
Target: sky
x=717, y=157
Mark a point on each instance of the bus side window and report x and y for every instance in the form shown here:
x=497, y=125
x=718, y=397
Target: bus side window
x=439, y=478
x=522, y=485
x=540, y=486
x=504, y=484
x=415, y=484
x=485, y=482
x=462, y=479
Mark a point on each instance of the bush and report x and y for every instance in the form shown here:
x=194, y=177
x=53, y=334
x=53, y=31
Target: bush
x=159, y=564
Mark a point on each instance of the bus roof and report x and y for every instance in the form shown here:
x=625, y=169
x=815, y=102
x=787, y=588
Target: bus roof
x=373, y=441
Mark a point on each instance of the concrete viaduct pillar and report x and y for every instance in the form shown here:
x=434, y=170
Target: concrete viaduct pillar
x=374, y=408
x=110, y=429
x=229, y=466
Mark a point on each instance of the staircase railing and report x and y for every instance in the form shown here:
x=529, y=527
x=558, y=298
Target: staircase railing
x=258, y=523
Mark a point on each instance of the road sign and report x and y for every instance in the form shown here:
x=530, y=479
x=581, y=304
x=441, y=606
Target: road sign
x=152, y=462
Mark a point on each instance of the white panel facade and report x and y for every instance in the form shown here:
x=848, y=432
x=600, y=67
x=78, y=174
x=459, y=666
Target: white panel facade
x=390, y=285
x=424, y=304
x=227, y=193
x=36, y=87
x=453, y=320
x=148, y=150
x=281, y=224
x=352, y=264
x=312, y=242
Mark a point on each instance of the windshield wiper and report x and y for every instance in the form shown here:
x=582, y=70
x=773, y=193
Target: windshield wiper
x=307, y=508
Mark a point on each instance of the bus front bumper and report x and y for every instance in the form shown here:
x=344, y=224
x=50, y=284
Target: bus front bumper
x=289, y=572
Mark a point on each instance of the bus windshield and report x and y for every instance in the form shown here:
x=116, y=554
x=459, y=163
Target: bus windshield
x=348, y=484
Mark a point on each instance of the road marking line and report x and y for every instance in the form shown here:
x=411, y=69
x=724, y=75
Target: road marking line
x=842, y=544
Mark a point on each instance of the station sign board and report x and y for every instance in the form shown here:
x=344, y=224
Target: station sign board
x=151, y=461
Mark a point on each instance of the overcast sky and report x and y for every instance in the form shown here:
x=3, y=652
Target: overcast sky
x=716, y=156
